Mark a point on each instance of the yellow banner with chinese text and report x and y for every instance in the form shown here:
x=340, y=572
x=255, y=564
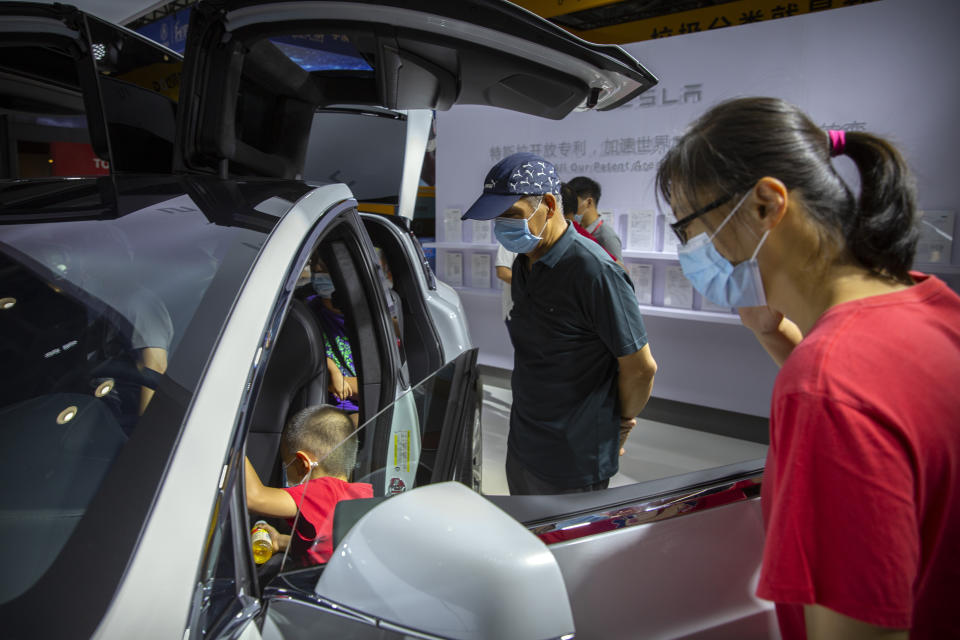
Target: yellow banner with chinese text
x=729, y=14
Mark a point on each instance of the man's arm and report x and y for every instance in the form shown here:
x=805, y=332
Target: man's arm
x=505, y=274
x=635, y=381
x=266, y=501
x=776, y=333
x=827, y=624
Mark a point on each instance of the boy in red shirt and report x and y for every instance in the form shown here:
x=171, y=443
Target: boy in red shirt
x=319, y=452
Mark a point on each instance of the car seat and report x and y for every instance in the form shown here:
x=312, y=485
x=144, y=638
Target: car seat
x=295, y=378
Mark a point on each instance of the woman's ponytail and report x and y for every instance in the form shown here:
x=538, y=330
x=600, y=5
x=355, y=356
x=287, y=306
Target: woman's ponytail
x=882, y=235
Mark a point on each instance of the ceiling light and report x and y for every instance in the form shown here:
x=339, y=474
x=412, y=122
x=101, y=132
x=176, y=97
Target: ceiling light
x=67, y=415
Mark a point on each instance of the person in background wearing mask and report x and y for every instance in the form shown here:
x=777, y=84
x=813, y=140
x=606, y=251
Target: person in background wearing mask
x=343, y=386
x=588, y=198
x=861, y=494
x=582, y=366
x=319, y=451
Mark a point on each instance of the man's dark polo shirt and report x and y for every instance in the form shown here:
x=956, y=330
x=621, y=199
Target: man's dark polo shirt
x=574, y=314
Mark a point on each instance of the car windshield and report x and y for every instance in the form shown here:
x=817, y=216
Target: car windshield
x=105, y=327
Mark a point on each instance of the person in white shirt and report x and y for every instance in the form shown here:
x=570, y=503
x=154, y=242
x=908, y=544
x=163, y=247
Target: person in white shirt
x=504, y=264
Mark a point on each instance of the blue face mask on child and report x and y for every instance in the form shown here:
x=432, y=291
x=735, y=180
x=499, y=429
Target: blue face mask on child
x=716, y=278
x=514, y=234
x=323, y=285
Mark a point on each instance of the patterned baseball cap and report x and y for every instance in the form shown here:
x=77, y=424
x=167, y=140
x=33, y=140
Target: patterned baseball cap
x=517, y=175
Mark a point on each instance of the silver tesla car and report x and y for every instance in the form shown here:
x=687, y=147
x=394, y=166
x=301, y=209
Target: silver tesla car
x=160, y=218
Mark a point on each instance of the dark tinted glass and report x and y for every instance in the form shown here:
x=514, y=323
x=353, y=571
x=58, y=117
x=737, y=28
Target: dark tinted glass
x=43, y=116
x=140, y=86
x=97, y=317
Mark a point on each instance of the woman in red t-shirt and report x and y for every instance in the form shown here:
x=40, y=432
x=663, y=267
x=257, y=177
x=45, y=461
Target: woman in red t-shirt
x=861, y=494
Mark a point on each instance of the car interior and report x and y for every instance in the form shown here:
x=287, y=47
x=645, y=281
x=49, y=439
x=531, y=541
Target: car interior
x=296, y=376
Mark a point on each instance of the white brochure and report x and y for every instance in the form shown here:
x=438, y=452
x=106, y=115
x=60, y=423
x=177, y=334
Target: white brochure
x=482, y=233
x=677, y=291
x=670, y=241
x=642, y=276
x=641, y=230
x=452, y=227
x=480, y=270
x=453, y=268
x=936, y=237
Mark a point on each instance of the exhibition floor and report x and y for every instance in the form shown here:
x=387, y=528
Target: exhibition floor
x=655, y=449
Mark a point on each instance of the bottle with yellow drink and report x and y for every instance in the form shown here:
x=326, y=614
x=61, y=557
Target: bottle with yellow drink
x=261, y=542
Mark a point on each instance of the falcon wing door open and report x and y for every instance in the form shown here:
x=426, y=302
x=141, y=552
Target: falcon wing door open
x=257, y=71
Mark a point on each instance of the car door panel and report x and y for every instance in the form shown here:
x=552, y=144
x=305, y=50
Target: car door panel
x=688, y=577
x=670, y=558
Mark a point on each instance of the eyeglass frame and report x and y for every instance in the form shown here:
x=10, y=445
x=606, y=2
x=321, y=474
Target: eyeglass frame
x=680, y=226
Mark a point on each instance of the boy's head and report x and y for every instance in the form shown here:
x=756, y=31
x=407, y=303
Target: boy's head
x=320, y=434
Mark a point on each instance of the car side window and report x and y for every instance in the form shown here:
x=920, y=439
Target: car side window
x=139, y=88
x=44, y=116
x=52, y=97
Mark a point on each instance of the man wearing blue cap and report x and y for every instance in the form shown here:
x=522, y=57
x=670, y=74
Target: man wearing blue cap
x=582, y=366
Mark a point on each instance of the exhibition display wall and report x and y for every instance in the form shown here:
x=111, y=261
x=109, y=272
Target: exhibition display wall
x=883, y=67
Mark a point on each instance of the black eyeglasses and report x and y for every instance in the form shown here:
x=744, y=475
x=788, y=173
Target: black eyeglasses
x=680, y=226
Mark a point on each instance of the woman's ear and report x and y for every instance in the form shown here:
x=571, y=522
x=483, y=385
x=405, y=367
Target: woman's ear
x=771, y=198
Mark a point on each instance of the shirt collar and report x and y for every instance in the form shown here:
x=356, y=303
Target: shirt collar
x=596, y=223
x=553, y=255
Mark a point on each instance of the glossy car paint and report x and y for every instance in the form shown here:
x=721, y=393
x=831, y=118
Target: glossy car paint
x=443, y=559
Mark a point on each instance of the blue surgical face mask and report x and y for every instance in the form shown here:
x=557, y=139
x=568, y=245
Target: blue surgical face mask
x=323, y=285
x=578, y=218
x=514, y=234
x=716, y=278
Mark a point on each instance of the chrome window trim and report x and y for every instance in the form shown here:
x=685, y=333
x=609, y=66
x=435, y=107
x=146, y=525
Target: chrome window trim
x=665, y=506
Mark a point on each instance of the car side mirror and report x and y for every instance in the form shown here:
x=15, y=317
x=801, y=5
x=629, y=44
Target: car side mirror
x=443, y=560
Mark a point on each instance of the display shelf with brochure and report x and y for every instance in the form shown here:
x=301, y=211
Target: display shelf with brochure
x=663, y=291
x=689, y=314
x=649, y=255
